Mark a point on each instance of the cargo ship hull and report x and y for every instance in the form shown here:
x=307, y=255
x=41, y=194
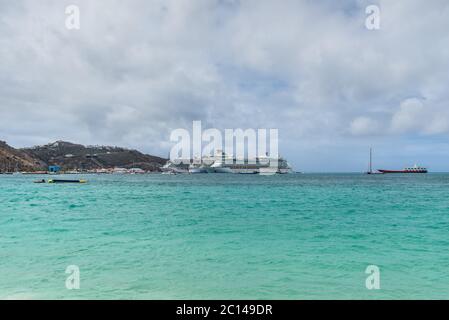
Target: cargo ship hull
x=403, y=171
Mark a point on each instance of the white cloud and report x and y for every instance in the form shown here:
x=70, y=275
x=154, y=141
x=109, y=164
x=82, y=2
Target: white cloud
x=365, y=126
x=420, y=117
x=411, y=116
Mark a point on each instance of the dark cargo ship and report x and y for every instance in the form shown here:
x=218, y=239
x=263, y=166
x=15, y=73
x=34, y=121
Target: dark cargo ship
x=414, y=169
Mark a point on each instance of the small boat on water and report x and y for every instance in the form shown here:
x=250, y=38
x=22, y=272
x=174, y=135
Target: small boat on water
x=66, y=181
x=370, y=167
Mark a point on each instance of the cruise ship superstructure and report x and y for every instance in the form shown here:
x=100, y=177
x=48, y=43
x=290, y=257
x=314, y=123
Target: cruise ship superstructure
x=222, y=163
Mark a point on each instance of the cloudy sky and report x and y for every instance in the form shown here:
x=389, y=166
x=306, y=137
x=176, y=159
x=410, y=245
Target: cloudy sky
x=138, y=69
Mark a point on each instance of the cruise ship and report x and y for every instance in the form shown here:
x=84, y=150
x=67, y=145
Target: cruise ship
x=222, y=163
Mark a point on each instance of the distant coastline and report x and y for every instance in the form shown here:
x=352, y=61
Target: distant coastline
x=67, y=157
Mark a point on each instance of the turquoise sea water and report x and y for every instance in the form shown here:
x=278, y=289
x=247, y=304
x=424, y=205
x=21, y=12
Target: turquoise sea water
x=224, y=236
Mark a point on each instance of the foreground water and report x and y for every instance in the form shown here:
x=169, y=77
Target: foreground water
x=226, y=236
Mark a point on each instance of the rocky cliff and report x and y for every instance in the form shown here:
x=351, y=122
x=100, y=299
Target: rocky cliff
x=71, y=156
x=12, y=160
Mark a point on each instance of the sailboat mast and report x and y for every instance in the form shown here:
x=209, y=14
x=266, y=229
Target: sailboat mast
x=370, y=160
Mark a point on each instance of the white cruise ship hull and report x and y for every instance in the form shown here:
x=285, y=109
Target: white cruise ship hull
x=221, y=170
x=197, y=170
